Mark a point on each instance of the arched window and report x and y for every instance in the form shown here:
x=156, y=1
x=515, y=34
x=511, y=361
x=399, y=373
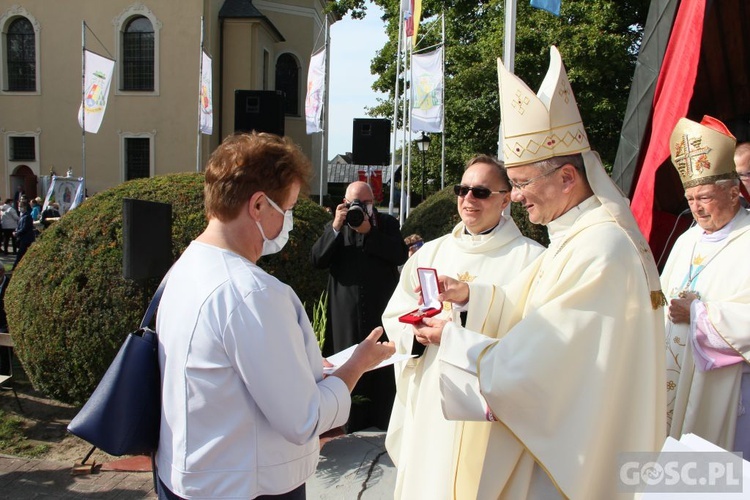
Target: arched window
x=287, y=81
x=138, y=54
x=21, y=56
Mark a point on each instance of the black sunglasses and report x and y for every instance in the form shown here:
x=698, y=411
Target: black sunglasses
x=480, y=193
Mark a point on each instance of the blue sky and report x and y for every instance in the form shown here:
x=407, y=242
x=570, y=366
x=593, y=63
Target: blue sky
x=353, y=45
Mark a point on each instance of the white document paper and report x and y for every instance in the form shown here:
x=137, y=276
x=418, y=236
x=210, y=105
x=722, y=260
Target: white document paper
x=694, y=443
x=342, y=357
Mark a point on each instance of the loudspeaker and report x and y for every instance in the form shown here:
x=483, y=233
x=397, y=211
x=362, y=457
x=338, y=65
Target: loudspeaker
x=370, y=141
x=259, y=110
x=146, y=239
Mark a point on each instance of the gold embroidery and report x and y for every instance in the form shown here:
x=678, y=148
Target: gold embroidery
x=520, y=102
x=698, y=260
x=466, y=277
x=691, y=156
x=564, y=92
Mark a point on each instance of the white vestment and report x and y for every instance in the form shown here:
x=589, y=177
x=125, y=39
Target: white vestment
x=420, y=440
x=706, y=403
x=575, y=375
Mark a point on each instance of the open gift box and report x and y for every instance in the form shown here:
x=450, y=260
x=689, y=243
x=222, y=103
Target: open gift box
x=428, y=280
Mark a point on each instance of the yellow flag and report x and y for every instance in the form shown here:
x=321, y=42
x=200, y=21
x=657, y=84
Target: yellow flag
x=417, y=17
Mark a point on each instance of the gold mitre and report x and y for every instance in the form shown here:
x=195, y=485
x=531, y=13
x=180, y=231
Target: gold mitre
x=702, y=153
x=539, y=126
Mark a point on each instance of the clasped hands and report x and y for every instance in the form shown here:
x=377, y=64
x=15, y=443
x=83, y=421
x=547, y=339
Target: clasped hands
x=679, y=309
x=430, y=330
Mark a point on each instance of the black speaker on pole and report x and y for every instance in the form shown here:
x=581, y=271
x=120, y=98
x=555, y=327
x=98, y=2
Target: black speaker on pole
x=371, y=141
x=259, y=110
x=146, y=239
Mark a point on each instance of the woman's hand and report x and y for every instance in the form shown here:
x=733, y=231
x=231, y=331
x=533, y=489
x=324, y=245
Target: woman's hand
x=368, y=354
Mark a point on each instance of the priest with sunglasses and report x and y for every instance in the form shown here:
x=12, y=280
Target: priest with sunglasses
x=485, y=248
x=565, y=372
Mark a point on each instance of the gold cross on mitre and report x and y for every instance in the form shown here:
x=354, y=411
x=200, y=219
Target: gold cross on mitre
x=520, y=102
x=691, y=156
x=702, y=153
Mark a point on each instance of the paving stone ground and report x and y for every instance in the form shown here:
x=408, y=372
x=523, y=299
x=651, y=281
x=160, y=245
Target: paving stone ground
x=353, y=466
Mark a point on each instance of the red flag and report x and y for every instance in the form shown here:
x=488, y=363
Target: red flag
x=674, y=89
x=408, y=13
x=376, y=183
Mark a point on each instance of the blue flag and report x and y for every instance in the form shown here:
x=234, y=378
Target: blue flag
x=548, y=5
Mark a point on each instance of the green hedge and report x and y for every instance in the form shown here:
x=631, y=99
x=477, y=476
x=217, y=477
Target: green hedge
x=69, y=308
x=437, y=215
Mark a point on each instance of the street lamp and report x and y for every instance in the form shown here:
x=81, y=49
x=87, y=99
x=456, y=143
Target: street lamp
x=423, y=144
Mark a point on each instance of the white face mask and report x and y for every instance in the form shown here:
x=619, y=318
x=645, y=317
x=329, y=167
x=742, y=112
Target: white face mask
x=275, y=245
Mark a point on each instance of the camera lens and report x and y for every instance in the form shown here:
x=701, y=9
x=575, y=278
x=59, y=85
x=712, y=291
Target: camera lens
x=355, y=216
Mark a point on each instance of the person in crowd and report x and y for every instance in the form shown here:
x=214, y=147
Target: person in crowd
x=707, y=281
x=9, y=223
x=50, y=214
x=569, y=364
x=24, y=233
x=5, y=351
x=18, y=195
x=244, y=397
x=4, y=280
x=484, y=248
x=36, y=208
x=742, y=166
x=362, y=250
x=413, y=242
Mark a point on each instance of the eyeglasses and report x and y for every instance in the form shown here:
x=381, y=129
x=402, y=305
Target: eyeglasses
x=480, y=193
x=522, y=185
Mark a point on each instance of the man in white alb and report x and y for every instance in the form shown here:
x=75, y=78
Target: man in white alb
x=707, y=280
x=484, y=248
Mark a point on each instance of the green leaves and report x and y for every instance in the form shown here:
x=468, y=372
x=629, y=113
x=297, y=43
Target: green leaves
x=598, y=40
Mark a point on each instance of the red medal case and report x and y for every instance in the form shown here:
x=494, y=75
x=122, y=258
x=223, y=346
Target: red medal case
x=428, y=280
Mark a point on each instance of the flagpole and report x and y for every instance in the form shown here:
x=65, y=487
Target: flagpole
x=324, y=103
x=407, y=117
x=509, y=56
x=83, y=105
x=442, y=100
x=200, y=110
x=395, y=125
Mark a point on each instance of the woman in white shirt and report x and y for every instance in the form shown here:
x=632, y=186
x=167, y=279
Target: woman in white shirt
x=244, y=397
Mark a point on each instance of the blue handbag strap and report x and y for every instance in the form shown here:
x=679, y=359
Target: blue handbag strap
x=154, y=304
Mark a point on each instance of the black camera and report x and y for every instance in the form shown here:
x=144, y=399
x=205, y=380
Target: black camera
x=356, y=214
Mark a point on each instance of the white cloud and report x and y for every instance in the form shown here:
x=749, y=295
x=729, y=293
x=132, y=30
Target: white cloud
x=353, y=45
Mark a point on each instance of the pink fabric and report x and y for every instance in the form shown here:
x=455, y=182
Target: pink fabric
x=710, y=349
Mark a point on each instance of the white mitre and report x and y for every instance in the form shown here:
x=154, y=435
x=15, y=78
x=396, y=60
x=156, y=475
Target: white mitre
x=539, y=126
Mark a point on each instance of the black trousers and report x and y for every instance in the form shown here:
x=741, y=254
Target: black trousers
x=8, y=238
x=296, y=494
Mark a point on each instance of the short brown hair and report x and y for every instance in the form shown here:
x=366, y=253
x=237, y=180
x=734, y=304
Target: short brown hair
x=244, y=164
x=491, y=160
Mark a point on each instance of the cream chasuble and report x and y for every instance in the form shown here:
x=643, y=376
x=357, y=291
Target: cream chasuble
x=706, y=403
x=576, y=376
x=420, y=440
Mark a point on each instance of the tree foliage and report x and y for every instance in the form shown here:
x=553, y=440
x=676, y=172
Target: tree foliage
x=598, y=40
x=69, y=307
